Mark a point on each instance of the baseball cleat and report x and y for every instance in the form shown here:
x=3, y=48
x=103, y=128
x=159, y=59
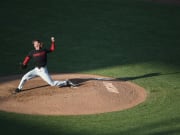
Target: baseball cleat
x=69, y=83
x=17, y=90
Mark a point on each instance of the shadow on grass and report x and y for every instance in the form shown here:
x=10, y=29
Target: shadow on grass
x=82, y=80
x=104, y=38
x=23, y=125
x=20, y=127
x=139, y=77
x=145, y=76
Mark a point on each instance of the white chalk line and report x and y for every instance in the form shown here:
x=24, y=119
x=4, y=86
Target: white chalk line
x=110, y=87
x=104, y=79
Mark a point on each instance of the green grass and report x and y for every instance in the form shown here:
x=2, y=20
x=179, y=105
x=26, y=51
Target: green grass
x=131, y=39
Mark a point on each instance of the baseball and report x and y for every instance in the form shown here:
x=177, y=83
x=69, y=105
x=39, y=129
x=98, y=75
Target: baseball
x=52, y=39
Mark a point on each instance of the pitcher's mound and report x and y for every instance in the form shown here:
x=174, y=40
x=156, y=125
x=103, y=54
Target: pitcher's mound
x=95, y=94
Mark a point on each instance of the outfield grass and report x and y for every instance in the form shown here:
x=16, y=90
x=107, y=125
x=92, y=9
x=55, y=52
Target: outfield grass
x=134, y=40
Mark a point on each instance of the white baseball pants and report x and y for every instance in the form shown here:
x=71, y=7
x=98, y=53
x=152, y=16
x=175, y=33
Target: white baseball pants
x=43, y=73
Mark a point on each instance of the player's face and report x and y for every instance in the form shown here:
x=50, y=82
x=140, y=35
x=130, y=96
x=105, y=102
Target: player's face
x=37, y=45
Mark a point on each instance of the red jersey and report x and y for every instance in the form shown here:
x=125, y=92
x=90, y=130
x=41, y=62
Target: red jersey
x=39, y=56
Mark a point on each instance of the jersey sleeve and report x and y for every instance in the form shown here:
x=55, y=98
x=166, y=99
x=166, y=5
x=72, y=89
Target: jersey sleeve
x=52, y=47
x=27, y=58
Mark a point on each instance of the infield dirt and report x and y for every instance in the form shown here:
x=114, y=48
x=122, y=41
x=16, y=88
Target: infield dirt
x=95, y=94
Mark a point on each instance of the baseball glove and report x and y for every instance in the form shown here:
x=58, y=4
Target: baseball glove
x=22, y=66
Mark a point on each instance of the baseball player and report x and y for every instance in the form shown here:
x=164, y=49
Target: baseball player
x=39, y=54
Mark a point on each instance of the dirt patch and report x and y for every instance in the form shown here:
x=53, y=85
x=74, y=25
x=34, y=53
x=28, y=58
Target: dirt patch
x=96, y=94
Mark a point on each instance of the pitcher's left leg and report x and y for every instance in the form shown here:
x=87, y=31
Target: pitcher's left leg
x=31, y=74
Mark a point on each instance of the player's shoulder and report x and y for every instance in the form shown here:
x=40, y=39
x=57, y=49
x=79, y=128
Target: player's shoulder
x=44, y=49
x=32, y=51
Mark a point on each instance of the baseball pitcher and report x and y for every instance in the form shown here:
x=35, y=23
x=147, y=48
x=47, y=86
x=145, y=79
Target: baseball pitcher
x=39, y=54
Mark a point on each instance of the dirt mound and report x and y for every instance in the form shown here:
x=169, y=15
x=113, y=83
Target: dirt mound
x=96, y=94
